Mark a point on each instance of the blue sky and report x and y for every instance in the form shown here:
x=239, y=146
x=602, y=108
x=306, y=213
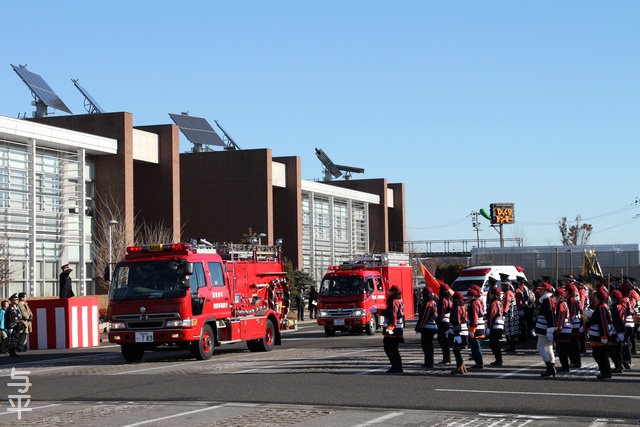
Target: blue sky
x=467, y=103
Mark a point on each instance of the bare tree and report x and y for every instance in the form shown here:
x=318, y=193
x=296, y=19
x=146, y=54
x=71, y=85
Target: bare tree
x=518, y=233
x=153, y=233
x=6, y=274
x=110, y=240
x=577, y=234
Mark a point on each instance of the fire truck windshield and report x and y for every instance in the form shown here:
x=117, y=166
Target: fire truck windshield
x=342, y=285
x=147, y=280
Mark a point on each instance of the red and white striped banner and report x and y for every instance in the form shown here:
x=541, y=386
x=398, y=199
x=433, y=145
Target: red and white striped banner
x=65, y=323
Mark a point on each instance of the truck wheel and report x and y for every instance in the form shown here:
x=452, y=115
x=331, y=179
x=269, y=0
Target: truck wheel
x=329, y=331
x=203, y=348
x=132, y=353
x=370, y=327
x=265, y=343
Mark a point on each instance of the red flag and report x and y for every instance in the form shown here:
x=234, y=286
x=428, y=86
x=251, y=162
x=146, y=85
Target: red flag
x=429, y=280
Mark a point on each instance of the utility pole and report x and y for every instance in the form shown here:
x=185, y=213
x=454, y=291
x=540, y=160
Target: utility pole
x=476, y=225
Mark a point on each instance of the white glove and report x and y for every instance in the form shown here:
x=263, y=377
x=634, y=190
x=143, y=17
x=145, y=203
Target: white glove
x=620, y=337
x=581, y=329
x=487, y=332
x=533, y=333
x=471, y=334
x=457, y=340
x=604, y=340
x=589, y=313
x=550, y=336
x=448, y=332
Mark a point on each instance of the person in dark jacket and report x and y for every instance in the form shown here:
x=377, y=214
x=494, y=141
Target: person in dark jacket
x=618, y=314
x=426, y=325
x=66, y=291
x=562, y=334
x=13, y=323
x=598, y=326
x=495, y=324
x=545, y=327
x=458, y=331
x=476, y=325
x=300, y=303
x=444, y=305
x=393, y=327
x=313, y=303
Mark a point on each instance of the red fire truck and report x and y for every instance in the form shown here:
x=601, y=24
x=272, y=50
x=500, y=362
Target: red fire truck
x=197, y=296
x=349, y=291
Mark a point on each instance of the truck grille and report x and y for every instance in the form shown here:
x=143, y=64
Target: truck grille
x=339, y=312
x=152, y=321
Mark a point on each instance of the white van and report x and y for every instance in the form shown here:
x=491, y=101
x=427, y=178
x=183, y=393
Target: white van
x=480, y=276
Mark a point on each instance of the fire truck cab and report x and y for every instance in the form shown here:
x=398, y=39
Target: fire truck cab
x=350, y=290
x=197, y=296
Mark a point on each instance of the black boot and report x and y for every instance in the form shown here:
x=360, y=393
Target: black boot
x=12, y=353
x=551, y=370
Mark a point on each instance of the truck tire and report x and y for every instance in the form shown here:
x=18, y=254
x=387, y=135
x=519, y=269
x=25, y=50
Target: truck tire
x=132, y=353
x=329, y=331
x=371, y=326
x=203, y=348
x=265, y=343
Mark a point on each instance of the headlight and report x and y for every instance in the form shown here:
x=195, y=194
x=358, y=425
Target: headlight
x=360, y=312
x=117, y=325
x=323, y=313
x=180, y=323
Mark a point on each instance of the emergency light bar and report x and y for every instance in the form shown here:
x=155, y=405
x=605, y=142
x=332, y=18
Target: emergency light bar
x=159, y=247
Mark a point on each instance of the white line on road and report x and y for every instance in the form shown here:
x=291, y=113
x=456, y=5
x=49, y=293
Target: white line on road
x=33, y=408
x=539, y=393
x=174, y=416
x=380, y=419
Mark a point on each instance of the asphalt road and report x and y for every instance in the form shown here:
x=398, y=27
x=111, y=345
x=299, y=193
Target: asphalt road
x=309, y=380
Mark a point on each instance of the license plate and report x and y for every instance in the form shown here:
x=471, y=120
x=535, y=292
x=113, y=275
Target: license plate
x=144, y=336
x=338, y=322
x=155, y=247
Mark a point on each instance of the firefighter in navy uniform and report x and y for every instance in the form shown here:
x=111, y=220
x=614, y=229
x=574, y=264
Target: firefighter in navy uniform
x=14, y=325
x=598, y=327
x=392, y=329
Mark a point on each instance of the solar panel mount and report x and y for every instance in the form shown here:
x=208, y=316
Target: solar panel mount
x=43, y=94
x=332, y=169
x=90, y=104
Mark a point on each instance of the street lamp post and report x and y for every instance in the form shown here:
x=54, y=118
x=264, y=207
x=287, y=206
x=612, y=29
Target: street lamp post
x=111, y=223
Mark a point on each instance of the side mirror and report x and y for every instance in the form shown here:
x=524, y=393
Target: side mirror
x=188, y=268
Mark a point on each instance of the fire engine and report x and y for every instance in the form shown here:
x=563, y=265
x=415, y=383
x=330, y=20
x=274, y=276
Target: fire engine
x=197, y=296
x=350, y=290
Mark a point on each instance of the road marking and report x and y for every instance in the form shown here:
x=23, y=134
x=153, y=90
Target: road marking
x=174, y=416
x=297, y=361
x=380, y=419
x=539, y=393
x=520, y=370
x=33, y=408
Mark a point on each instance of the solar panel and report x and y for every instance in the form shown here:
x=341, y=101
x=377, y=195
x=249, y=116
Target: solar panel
x=40, y=89
x=197, y=130
x=93, y=106
x=328, y=164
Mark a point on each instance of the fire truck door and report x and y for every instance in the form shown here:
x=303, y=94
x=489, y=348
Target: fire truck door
x=220, y=304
